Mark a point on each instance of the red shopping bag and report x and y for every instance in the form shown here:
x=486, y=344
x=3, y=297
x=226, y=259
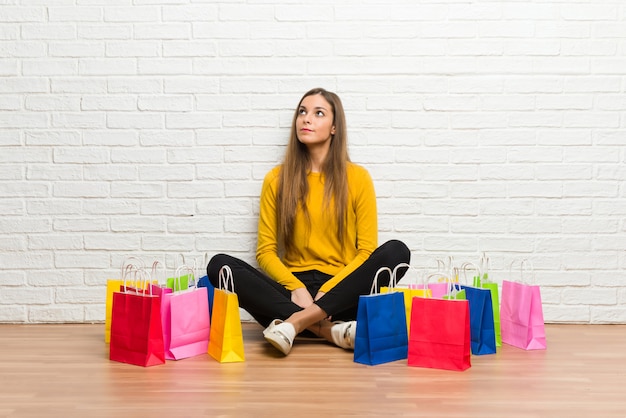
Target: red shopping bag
x=440, y=334
x=521, y=314
x=136, y=333
x=186, y=320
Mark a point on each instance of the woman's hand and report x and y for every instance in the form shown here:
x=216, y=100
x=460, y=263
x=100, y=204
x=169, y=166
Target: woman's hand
x=301, y=297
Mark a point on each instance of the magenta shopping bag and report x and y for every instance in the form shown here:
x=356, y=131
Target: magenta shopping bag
x=521, y=315
x=186, y=324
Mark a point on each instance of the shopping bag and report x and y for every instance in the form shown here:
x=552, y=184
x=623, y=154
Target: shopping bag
x=226, y=341
x=187, y=313
x=381, y=333
x=136, y=332
x=521, y=313
x=409, y=292
x=440, y=334
x=114, y=285
x=481, y=320
x=481, y=315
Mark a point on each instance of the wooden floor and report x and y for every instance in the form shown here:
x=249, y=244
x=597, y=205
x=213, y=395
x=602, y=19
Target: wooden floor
x=64, y=371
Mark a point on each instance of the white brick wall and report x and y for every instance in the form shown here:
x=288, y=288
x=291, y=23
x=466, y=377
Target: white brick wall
x=145, y=128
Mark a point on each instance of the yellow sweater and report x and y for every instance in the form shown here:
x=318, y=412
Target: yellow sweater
x=317, y=246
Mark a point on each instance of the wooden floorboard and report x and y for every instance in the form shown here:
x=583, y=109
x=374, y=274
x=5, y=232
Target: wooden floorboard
x=64, y=371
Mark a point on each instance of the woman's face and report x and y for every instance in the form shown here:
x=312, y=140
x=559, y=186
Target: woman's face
x=314, y=124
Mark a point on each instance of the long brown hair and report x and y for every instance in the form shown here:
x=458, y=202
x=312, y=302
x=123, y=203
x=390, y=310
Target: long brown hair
x=293, y=187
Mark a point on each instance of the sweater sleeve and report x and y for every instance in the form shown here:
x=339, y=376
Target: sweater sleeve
x=267, y=244
x=364, y=205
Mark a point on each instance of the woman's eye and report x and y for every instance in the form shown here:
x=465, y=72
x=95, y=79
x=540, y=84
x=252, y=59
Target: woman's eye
x=301, y=111
x=319, y=113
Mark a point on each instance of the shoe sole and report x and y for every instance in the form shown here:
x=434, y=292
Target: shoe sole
x=279, y=342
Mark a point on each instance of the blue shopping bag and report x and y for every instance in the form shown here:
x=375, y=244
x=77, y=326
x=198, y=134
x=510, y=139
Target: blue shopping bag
x=205, y=282
x=381, y=332
x=482, y=330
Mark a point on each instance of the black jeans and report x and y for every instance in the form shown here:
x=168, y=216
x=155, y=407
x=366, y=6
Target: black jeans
x=266, y=300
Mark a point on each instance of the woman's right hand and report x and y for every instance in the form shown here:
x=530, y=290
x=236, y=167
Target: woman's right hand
x=301, y=297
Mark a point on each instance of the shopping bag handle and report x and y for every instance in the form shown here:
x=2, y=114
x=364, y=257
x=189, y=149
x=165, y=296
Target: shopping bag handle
x=155, y=265
x=393, y=282
x=126, y=264
x=447, y=265
x=374, y=289
x=395, y=279
x=190, y=276
x=143, y=282
x=529, y=268
x=467, y=266
x=125, y=272
x=226, y=277
x=201, y=269
x=485, y=265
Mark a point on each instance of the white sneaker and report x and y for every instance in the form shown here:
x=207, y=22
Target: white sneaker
x=344, y=334
x=281, y=335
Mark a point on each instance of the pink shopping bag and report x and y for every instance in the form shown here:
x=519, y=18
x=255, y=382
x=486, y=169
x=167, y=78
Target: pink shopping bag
x=521, y=314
